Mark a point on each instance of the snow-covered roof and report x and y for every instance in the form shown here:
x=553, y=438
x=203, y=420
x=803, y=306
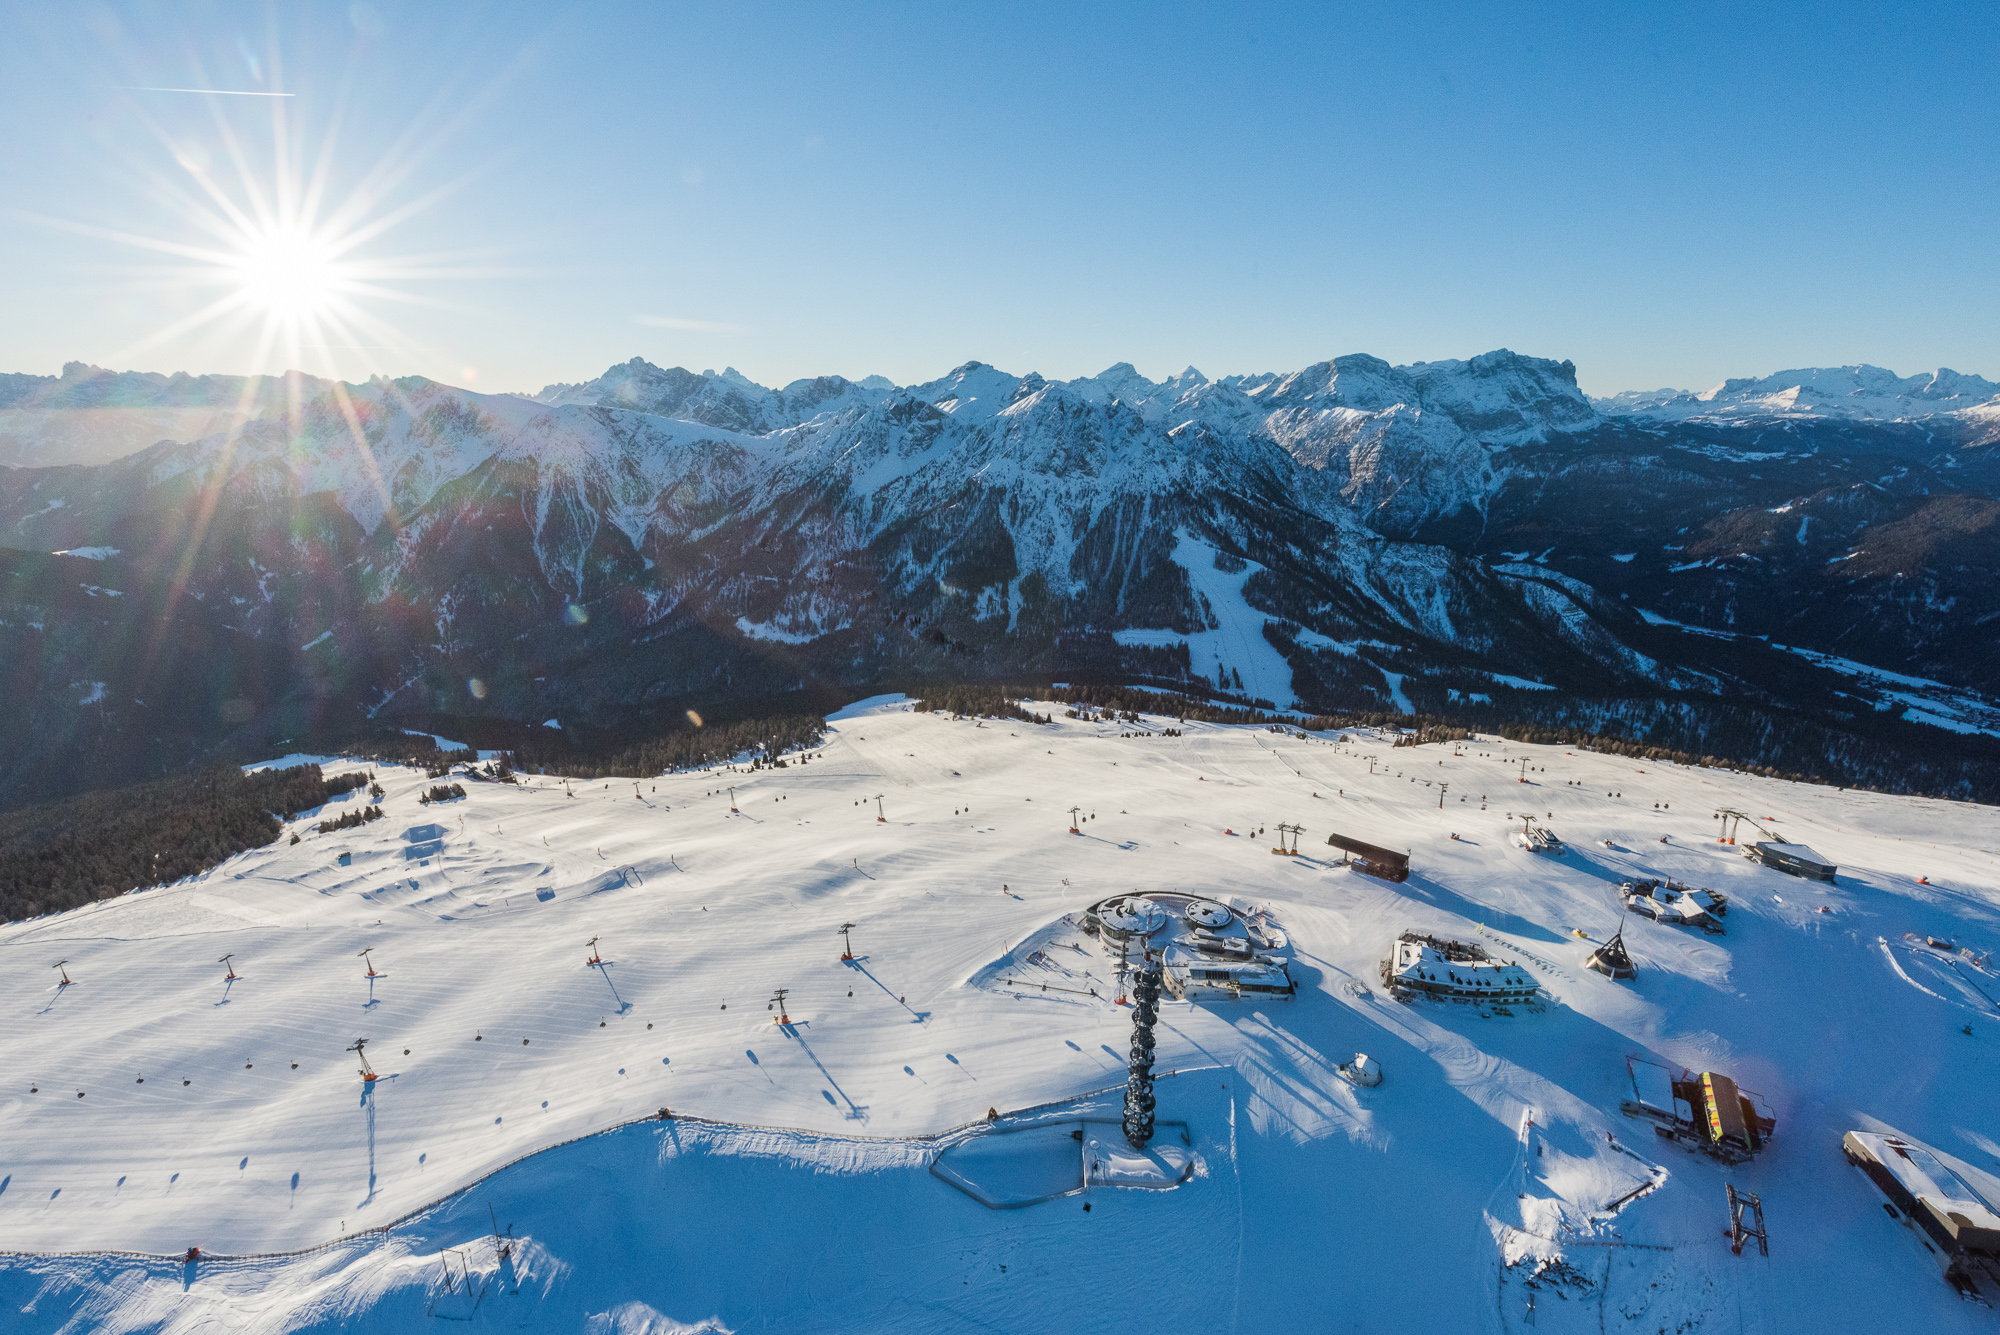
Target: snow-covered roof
x=1926, y=1177
x=1418, y=960
x=1799, y=851
x=1180, y=957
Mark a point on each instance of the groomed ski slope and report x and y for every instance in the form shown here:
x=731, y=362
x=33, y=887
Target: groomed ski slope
x=1317, y=1206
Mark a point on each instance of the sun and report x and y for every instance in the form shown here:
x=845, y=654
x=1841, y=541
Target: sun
x=282, y=265
x=289, y=273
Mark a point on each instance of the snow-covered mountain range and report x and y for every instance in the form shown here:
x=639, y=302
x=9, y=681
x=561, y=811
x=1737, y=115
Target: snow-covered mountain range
x=1446, y=537
x=1854, y=393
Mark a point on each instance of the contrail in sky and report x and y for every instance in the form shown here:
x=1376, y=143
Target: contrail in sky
x=224, y=92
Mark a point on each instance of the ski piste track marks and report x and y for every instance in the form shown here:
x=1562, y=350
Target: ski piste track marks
x=941, y=1139
x=1889, y=953
x=723, y=907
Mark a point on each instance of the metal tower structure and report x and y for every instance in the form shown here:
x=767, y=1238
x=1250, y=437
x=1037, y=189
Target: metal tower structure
x=1741, y=1231
x=1732, y=820
x=1139, y=1077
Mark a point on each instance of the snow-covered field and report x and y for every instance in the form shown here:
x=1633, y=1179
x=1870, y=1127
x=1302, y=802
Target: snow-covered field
x=1316, y=1205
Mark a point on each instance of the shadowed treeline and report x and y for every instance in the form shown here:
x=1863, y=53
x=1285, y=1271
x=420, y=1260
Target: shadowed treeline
x=63, y=854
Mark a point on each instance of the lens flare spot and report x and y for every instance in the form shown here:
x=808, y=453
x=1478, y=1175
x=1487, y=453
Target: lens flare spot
x=576, y=616
x=476, y=688
x=694, y=718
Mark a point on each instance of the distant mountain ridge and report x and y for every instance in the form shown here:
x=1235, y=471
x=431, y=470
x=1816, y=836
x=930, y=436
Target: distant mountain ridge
x=1864, y=393
x=1450, y=537
x=89, y=415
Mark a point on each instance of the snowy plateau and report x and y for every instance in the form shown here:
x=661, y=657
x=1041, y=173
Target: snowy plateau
x=554, y=964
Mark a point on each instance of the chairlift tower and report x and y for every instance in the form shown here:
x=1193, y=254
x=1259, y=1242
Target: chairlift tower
x=1524, y=770
x=778, y=1001
x=591, y=946
x=846, y=944
x=367, y=1071
x=229, y=977
x=732, y=801
x=66, y=979
x=1441, y=792
x=1741, y=1231
x=1072, y=820
x=371, y=963
x=880, y=819
x=1732, y=820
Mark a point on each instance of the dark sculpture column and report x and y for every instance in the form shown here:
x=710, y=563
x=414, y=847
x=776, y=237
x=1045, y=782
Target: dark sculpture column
x=1139, y=1078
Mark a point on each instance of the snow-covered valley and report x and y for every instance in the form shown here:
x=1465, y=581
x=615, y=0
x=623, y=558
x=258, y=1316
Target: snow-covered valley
x=1487, y=1183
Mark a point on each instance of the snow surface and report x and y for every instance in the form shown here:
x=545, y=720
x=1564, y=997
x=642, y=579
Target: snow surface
x=759, y=631
x=1492, y=1150
x=1234, y=645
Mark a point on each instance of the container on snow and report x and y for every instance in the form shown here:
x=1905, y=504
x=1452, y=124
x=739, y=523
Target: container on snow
x=1372, y=860
x=1795, y=859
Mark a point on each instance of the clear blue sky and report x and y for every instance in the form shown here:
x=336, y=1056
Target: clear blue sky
x=1666, y=194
